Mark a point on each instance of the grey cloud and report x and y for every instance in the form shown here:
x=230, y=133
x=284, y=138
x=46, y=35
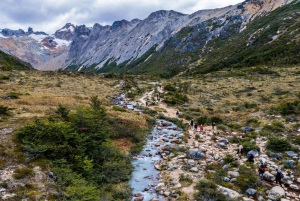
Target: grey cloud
x=50, y=15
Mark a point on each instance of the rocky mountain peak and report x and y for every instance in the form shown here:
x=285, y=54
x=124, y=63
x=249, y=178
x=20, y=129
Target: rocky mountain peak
x=119, y=24
x=66, y=33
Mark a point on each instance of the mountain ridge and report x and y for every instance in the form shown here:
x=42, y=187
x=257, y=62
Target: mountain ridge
x=127, y=42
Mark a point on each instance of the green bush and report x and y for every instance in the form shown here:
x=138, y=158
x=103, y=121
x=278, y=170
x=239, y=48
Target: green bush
x=4, y=111
x=185, y=180
x=275, y=127
x=208, y=190
x=120, y=109
x=278, y=144
x=170, y=87
x=21, y=173
x=13, y=95
x=228, y=158
x=248, y=146
x=4, y=77
x=202, y=120
x=246, y=179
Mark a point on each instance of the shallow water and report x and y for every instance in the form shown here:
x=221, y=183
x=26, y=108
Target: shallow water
x=144, y=174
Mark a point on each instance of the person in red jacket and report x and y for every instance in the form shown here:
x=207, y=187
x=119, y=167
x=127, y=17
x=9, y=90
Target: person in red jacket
x=201, y=128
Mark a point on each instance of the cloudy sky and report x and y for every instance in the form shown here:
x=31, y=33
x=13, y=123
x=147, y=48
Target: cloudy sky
x=51, y=15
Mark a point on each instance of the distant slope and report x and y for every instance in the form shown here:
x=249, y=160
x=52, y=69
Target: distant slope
x=8, y=62
x=271, y=40
x=219, y=43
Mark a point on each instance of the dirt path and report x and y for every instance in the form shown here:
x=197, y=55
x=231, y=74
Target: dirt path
x=171, y=112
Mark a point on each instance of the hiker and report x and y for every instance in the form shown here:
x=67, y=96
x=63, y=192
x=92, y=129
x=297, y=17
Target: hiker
x=240, y=149
x=146, y=104
x=192, y=123
x=261, y=171
x=177, y=114
x=213, y=125
x=279, y=176
x=201, y=128
x=195, y=127
x=251, y=158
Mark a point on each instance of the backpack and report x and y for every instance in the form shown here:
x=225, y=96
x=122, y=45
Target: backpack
x=281, y=175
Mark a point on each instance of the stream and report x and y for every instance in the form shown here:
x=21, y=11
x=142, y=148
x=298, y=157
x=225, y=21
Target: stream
x=145, y=177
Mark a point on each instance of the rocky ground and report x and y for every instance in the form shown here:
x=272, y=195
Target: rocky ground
x=211, y=147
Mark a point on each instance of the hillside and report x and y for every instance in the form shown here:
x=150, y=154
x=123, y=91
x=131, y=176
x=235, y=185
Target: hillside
x=8, y=62
x=269, y=40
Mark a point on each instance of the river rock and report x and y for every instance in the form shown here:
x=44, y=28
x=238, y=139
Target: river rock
x=251, y=191
x=159, y=187
x=268, y=176
x=139, y=199
x=154, y=199
x=229, y=192
x=276, y=193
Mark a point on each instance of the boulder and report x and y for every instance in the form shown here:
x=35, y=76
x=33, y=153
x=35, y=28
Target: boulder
x=191, y=162
x=276, y=193
x=159, y=187
x=225, y=141
x=154, y=199
x=291, y=153
x=226, y=179
x=253, y=152
x=276, y=155
x=247, y=199
x=195, y=154
x=295, y=187
x=222, y=145
x=251, y=191
x=269, y=177
x=289, y=164
x=194, y=169
x=287, y=180
x=229, y=192
x=233, y=174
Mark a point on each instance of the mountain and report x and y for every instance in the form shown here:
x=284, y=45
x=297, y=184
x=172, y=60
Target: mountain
x=8, y=62
x=166, y=41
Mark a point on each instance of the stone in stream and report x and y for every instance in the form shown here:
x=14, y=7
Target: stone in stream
x=276, y=193
x=159, y=187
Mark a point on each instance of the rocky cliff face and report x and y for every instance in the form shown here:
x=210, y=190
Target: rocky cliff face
x=81, y=47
